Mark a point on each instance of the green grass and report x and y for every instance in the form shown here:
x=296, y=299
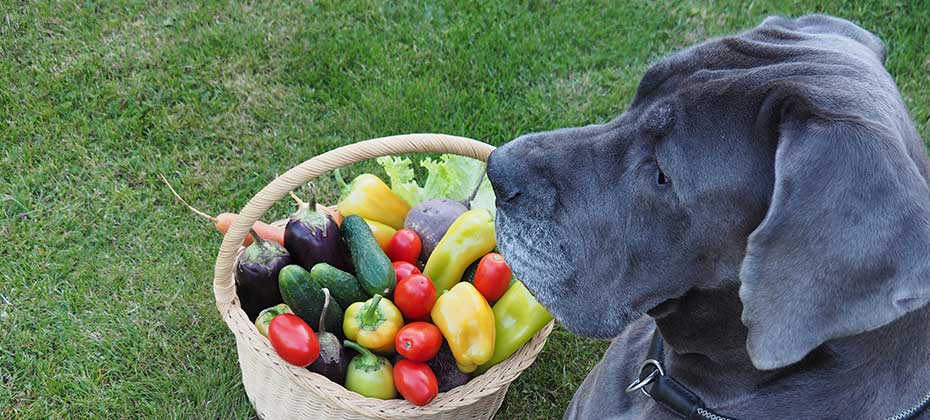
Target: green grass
x=105, y=300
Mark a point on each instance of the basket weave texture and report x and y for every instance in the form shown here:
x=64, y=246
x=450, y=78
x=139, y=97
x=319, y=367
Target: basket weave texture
x=279, y=390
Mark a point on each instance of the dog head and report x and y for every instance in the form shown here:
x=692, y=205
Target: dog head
x=781, y=159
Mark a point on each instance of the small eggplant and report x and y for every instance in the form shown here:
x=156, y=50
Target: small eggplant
x=312, y=236
x=257, y=275
x=447, y=372
x=333, y=360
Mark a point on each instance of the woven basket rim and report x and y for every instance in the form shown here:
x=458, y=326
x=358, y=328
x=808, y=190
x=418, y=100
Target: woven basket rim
x=496, y=380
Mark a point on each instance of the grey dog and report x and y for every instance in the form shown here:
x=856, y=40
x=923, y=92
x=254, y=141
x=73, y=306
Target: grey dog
x=763, y=204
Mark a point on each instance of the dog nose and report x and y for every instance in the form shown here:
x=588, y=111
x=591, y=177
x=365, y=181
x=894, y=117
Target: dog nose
x=504, y=171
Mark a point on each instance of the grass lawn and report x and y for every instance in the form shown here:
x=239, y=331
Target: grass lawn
x=106, y=308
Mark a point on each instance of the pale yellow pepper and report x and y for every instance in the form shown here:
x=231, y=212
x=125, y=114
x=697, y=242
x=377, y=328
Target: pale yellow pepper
x=383, y=233
x=467, y=323
x=370, y=198
x=469, y=238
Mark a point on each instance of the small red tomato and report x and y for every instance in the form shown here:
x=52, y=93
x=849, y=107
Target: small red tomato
x=293, y=340
x=418, y=341
x=492, y=278
x=405, y=246
x=415, y=296
x=402, y=269
x=415, y=381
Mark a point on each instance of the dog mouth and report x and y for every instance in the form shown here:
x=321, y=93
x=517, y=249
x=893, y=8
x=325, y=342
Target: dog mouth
x=664, y=309
x=564, y=283
x=531, y=251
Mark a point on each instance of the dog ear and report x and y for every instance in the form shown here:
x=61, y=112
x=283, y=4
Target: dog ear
x=845, y=245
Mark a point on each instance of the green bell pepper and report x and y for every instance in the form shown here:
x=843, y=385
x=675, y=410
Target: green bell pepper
x=370, y=375
x=518, y=316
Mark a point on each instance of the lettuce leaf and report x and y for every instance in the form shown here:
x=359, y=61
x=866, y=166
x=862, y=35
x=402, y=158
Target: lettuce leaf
x=451, y=176
x=484, y=199
x=403, y=181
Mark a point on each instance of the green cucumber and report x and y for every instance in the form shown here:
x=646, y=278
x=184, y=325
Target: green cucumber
x=372, y=267
x=343, y=286
x=305, y=297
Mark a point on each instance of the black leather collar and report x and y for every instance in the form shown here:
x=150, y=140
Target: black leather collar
x=677, y=398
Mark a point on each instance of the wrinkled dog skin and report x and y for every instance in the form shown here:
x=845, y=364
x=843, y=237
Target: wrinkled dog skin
x=764, y=203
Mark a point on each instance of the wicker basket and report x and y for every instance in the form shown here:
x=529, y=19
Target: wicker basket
x=282, y=391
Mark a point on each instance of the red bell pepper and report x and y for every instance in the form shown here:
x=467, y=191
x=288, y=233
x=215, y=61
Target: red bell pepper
x=415, y=381
x=293, y=340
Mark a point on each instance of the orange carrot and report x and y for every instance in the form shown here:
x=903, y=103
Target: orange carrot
x=224, y=220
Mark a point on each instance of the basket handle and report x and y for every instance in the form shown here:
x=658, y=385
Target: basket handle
x=223, y=284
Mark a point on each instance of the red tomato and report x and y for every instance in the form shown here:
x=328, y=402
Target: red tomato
x=415, y=381
x=293, y=340
x=405, y=246
x=492, y=278
x=415, y=296
x=418, y=341
x=402, y=269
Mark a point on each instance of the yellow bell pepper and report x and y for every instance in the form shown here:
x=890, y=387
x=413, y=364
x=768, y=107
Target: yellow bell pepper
x=470, y=237
x=370, y=198
x=373, y=324
x=383, y=233
x=467, y=323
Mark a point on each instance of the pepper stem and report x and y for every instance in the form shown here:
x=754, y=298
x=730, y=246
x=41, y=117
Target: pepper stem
x=368, y=357
x=343, y=186
x=370, y=312
x=325, y=308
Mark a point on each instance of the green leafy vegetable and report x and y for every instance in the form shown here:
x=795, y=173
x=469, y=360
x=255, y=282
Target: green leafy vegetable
x=451, y=176
x=403, y=182
x=484, y=199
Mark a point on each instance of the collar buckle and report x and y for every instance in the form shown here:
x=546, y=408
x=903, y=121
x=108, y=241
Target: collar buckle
x=642, y=381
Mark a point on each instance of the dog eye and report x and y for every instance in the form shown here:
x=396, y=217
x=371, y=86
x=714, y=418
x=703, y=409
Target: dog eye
x=661, y=179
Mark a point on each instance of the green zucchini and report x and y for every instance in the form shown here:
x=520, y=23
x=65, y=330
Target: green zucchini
x=372, y=267
x=343, y=286
x=305, y=297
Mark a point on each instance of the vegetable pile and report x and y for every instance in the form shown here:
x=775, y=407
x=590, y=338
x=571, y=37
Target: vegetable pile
x=398, y=291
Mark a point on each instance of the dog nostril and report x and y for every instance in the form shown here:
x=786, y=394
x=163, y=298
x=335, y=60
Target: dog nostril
x=506, y=193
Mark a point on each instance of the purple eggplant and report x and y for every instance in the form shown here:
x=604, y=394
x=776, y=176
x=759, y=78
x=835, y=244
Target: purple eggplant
x=257, y=275
x=447, y=372
x=311, y=236
x=333, y=361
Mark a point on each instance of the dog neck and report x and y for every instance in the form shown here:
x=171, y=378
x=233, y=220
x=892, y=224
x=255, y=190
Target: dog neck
x=706, y=341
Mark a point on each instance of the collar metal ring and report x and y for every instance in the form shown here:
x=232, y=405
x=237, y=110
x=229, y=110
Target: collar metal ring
x=640, y=382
